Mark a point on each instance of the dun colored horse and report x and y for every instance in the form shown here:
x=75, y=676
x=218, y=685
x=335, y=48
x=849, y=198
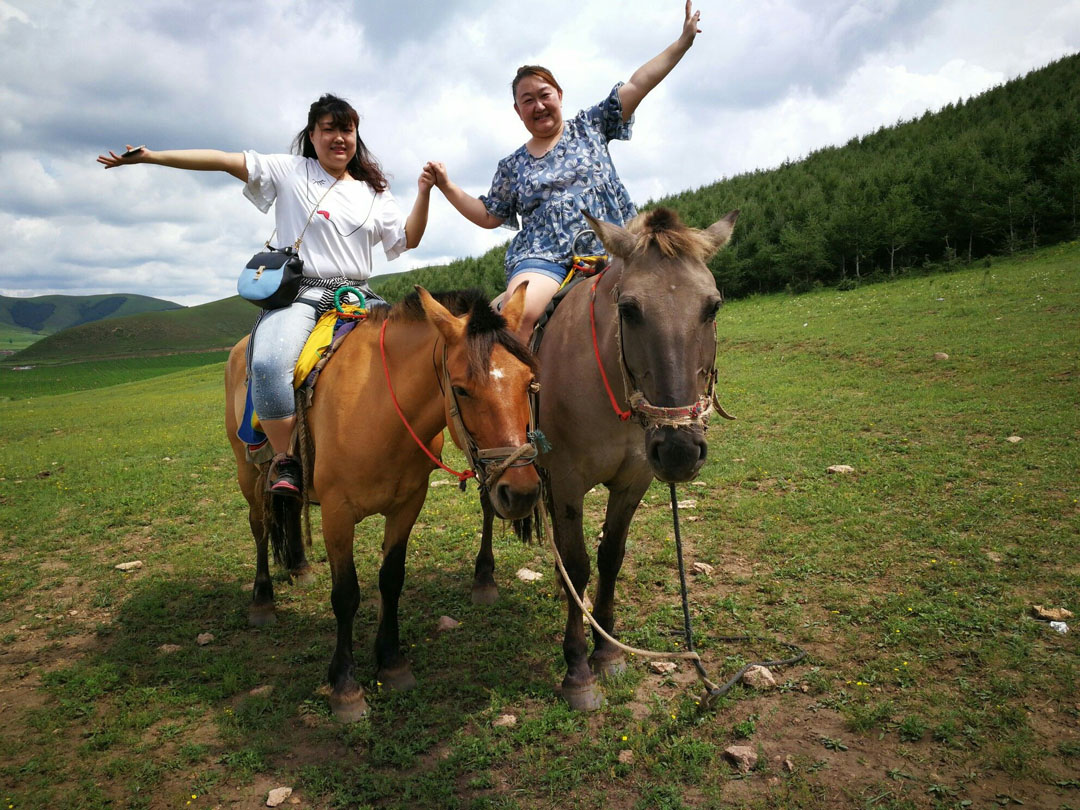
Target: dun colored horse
x=450, y=360
x=627, y=368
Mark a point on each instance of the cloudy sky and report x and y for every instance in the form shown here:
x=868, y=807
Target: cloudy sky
x=767, y=80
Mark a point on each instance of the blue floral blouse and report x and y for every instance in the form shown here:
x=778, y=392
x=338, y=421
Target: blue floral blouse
x=549, y=192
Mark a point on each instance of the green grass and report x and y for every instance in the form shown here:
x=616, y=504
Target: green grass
x=13, y=339
x=46, y=380
x=909, y=582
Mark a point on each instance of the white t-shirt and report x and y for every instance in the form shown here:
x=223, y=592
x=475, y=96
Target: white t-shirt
x=347, y=223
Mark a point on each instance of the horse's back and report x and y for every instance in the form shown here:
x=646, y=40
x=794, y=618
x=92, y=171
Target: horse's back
x=361, y=443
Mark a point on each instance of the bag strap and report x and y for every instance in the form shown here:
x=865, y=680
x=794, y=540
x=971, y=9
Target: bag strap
x=300, y=238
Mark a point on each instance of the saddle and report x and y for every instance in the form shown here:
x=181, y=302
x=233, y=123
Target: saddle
x=583, y=267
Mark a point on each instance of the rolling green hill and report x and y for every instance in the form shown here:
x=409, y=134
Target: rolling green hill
x=46, y=314
x=216, y=325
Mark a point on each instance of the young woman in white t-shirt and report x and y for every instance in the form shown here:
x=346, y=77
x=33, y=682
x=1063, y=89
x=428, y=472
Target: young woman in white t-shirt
x=333, y=186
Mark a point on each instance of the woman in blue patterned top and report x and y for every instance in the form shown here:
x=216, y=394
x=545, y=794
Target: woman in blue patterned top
x=562, y=169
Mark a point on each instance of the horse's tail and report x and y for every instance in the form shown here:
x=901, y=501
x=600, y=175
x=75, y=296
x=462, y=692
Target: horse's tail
x=284, y=518
x=307, y=455
x=283, y=522
x=523, y=528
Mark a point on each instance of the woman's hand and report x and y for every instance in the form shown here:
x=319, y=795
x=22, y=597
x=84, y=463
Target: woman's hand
x=441, y=177
x=646, y=77
x=426, y=180
x=690, y=25
x=132, y=154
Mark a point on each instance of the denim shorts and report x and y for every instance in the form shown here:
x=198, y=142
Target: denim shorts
x=541, y=266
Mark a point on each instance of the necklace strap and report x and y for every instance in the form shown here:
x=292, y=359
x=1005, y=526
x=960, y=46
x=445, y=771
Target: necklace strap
x=300, y=238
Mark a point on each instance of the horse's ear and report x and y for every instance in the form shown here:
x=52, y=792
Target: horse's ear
x=514, y=308
x=617, y=240
x=720, y=231
x=449, y=325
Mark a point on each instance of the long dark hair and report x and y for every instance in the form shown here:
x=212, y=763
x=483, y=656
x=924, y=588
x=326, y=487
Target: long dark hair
x=363, y=165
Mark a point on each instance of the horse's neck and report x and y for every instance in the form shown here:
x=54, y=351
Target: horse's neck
x=415, y=364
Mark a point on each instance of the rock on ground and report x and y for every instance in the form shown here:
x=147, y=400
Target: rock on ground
x=277, y=796
x=742, y=757
x=758, y=677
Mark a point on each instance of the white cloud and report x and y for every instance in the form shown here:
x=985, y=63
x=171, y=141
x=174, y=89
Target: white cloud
x=766, y=81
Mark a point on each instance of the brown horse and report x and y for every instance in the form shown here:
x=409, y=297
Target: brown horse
x=652, y=311
x=451, y=360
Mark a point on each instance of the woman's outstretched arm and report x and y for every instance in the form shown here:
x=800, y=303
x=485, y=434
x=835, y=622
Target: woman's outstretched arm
x=200, y=160
x=467, y=205
x=416, y=223
x=650, y=74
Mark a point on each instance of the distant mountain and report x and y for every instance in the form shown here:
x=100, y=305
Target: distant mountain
x=45, y=314
x=178, y=329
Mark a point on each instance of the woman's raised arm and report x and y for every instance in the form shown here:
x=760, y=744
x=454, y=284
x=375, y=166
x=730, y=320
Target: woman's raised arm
x=650, y=74
x=199, y=160
x=467, y=205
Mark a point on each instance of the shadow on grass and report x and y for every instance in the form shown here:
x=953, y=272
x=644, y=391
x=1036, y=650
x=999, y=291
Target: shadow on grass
x=409, y=745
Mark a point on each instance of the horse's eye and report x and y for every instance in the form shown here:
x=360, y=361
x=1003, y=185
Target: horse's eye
x=711, y=309
x=630, y=311
x=459, y=391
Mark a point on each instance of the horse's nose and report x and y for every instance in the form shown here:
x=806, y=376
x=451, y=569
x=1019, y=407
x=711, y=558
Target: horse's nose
x=676, y=454
x=516, y=499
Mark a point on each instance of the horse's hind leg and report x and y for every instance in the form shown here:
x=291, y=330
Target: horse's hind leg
x=261, y=611
x=484, y=589
x=346, y=695
x=394, y=670
x=607, y=659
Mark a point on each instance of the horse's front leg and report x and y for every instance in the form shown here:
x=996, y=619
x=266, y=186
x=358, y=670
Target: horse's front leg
x=394, y=670
x=346, y=695
x=607, y=659
x=579, y=687
x=484, y=589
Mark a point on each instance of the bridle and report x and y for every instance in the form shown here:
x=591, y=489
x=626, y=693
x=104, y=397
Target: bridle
x=650, y=416
x=487, y=465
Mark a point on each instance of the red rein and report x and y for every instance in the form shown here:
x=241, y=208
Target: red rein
x=462, y=477
x=623, y=415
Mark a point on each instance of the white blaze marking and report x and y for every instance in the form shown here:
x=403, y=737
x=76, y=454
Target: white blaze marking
x=496, y=374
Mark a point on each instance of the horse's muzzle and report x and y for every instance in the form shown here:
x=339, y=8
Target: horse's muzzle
x=516, y=492
x=676, y=453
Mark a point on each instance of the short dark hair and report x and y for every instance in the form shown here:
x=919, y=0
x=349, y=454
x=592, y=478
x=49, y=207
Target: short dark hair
x=539, y=72
x=363, y=165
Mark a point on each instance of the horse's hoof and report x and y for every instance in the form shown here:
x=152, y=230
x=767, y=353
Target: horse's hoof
x=304, y=577
x=400, y=679
x=608, y=667
x=586, y=698
x=349, y=708
x=261, y=615
x=485, y=594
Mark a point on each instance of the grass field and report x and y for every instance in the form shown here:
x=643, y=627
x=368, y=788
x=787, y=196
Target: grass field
x=909, y=582
x=13, y=339
x=39, y=381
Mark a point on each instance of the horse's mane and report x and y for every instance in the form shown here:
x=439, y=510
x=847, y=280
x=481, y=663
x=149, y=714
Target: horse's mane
x=486, y=329
x=661, y=228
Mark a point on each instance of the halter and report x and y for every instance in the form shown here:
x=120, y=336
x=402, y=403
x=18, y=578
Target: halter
x=487, y=465
x=651, y=416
